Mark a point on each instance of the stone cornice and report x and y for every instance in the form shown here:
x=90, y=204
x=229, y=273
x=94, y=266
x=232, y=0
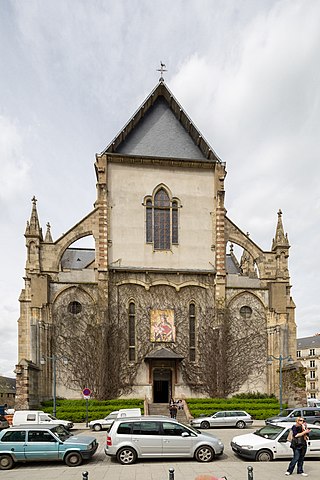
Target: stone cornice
x=160, y=161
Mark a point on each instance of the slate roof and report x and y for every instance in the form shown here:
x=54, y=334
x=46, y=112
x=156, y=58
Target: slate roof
x=164, y=353
x=80, y=258
x=231, y=266
x=77, y=258
x=308, y=342
x=7, y=385
x=161, y=128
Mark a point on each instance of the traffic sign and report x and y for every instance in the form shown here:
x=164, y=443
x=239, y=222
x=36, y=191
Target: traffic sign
x=86, y=392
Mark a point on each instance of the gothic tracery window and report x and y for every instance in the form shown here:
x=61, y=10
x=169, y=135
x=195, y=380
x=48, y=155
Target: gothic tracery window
x=161, y=220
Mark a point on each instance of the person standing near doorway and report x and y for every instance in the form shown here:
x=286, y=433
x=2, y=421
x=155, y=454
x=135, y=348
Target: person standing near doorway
x=173, y=409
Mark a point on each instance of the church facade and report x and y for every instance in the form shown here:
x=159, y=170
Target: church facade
x=161, y=306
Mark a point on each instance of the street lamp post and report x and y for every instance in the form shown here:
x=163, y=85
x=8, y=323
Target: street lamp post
x=54, y=359
x=281, y=359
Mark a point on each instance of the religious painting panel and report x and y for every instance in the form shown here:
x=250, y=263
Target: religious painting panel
x=162, y=327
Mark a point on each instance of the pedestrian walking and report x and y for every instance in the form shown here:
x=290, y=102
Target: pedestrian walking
x=173, y=408
x=299, y=447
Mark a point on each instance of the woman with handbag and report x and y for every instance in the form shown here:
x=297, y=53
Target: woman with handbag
x=299, y=446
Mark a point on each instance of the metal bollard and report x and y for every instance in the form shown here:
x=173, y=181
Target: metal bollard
x=85, y=475
x=171, y=473
x=250, y=473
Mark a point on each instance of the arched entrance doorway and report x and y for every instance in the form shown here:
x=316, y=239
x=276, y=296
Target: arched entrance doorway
x=162, y=385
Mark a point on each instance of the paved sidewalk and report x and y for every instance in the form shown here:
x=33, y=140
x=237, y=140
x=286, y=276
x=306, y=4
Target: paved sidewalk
x=156, y=470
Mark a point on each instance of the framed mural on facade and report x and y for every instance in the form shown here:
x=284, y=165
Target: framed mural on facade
x=162, y=328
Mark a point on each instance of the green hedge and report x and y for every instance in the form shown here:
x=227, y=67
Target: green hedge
x=258, y=408
x=75, y=410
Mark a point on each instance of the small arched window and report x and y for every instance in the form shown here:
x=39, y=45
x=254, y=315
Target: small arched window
x=162, y=220
x=192, y=332
x=132, y=331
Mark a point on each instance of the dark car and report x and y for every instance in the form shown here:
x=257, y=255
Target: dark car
x=310, y=414
x=3, y=422
x=41, y=442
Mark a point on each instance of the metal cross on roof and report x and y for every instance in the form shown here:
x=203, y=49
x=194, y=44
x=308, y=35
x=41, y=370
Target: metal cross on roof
x=161, y=70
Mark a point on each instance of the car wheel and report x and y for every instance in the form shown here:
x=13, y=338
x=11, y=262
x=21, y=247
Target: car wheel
x=127, y=456
x=73, y=459
x=240, y=424
x=6, y=462
x=205, y=425
x=204, y=454
x=316, y=423
x=97, y=427
x=264, y=456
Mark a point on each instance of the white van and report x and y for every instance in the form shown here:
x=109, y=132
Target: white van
x=37, y=417
x=313, y=402
x=107, y=421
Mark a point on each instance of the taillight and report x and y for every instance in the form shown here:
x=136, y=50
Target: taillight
x=109, y=441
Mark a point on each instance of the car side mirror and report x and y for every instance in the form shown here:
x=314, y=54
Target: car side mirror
x=185, y=434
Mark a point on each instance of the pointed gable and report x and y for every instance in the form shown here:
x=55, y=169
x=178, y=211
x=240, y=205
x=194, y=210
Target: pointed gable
x=161, y=128
x=160, y=134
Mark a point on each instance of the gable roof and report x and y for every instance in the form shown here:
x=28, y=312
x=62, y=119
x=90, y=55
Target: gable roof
x=163, y=353
x=161, y=128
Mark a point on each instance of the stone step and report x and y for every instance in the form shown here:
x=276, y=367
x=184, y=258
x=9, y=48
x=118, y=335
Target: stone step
x=163, y=409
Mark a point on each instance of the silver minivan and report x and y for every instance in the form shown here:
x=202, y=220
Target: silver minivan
x=156, y=437
x=310, y=414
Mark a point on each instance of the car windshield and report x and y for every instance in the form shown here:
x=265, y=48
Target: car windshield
x=285, y=413
x=269, y=431
x=189, y=427
x=61, y=432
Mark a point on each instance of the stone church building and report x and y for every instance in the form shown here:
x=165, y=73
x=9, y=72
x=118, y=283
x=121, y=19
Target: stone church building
x=160, y=306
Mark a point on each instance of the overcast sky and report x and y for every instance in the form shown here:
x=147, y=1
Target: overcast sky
x=247, y=72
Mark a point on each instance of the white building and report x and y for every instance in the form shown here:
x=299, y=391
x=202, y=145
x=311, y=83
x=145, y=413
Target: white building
x=308, y=352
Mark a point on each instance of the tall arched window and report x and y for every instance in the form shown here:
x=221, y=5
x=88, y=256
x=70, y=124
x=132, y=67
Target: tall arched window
x=192, y=332
x=175, y=222
x=132, y=332
x=162, y=220
x=149, y=222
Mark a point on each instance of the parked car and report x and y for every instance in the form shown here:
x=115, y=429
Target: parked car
x=310, y=414
x=158, y=437
x=3, y=422
x=271, y=442
x=37, y=417
x=228, y=418
x=107, y=421
x=41, y=442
